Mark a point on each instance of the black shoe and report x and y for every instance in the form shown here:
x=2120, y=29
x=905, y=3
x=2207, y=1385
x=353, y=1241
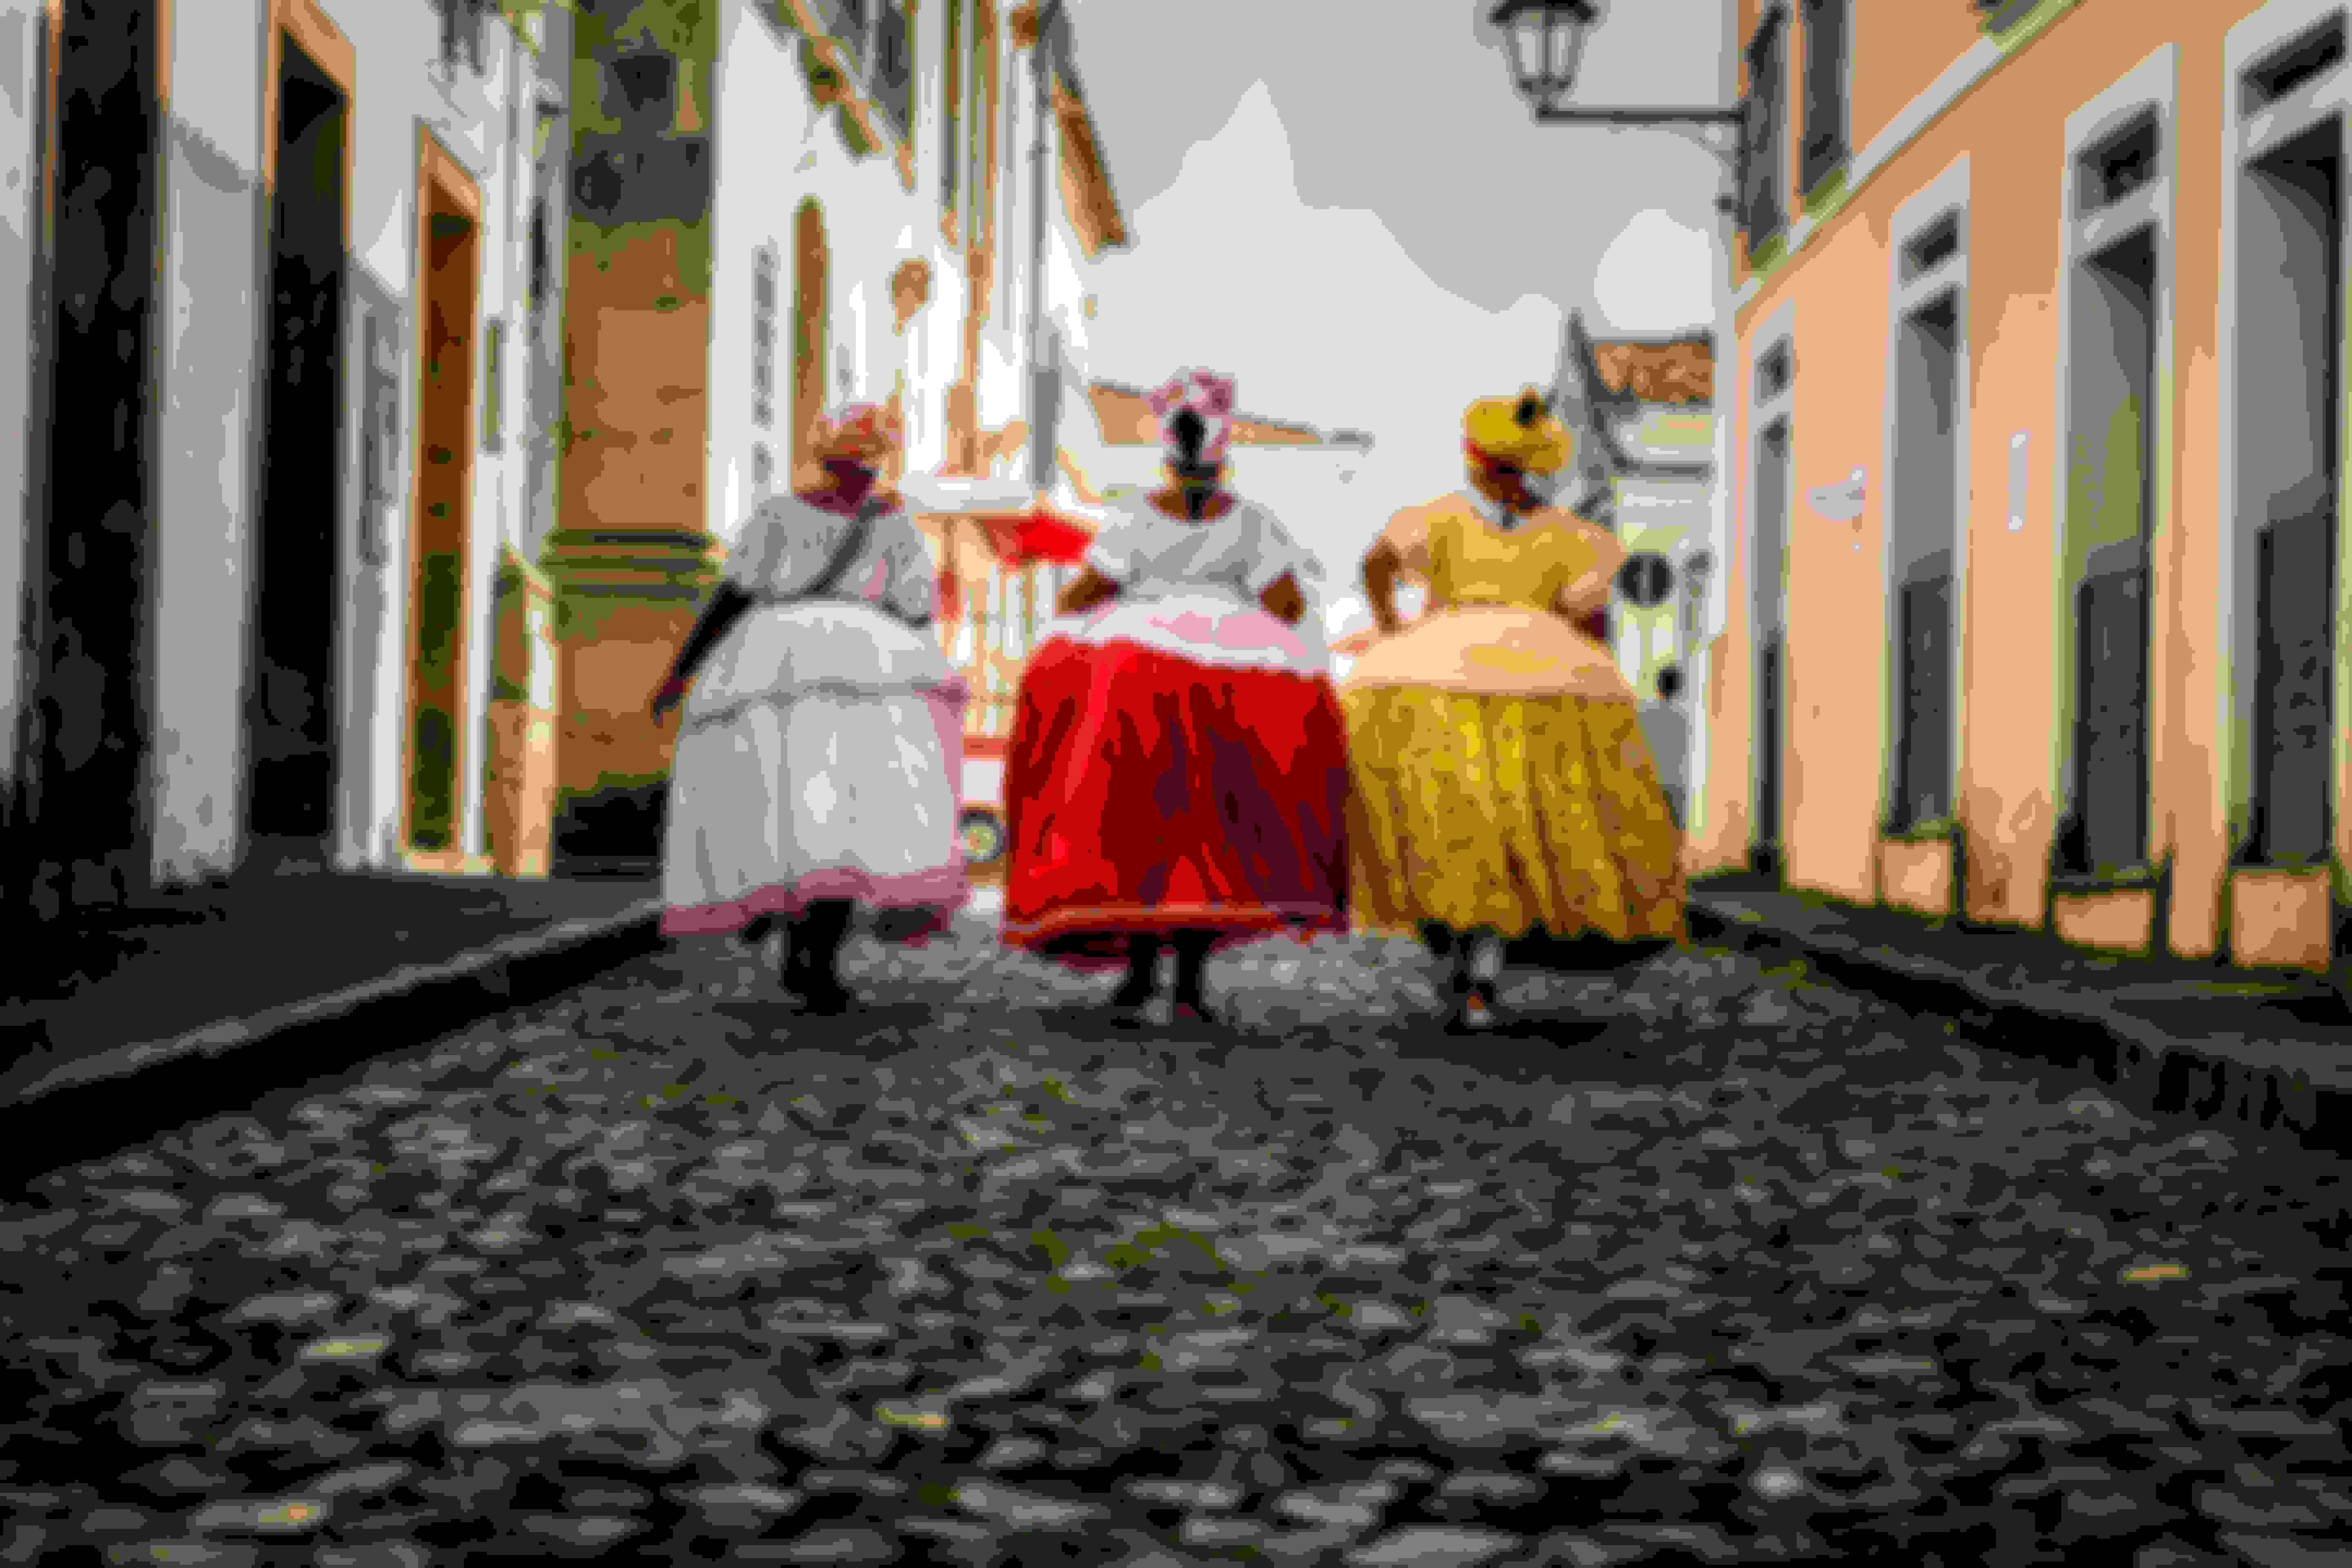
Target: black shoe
x=1473, y=1011
x=821, y=995
x=1195, y=1012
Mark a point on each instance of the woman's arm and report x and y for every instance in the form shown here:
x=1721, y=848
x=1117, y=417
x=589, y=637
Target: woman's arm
x=1586, y=591
x=728, y=605
x=1383, y=564
x=1092, y=588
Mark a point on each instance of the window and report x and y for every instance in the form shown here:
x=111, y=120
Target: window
x=1825, y=90
x=461, y=31
x=1765, y=203
x=494, y=402
x=2306, y=59
x=893, y=74
x=952, y=90
x=542, y=260
x=2117, y=168
x=380, y=435
x=764, y=466
x=765, y=268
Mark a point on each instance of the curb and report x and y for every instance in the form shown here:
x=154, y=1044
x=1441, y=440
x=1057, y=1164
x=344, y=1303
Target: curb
x=2254, y=1083
x=86, y=1108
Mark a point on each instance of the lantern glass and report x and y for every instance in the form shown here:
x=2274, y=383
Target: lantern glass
x=1547, y=45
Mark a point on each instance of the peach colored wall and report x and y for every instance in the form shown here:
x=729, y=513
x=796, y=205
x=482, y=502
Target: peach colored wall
x=1905, y=47
x=636, y=371
x=2011, y=127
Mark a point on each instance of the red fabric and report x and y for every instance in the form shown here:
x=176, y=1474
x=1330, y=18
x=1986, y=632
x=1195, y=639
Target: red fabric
x=1146, y=794
x=1043, y=537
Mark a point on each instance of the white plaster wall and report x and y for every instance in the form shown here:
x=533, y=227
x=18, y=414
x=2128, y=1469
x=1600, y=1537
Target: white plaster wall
x=774, y=151
x=209, y=437
x=397, y=48
x=21, y=25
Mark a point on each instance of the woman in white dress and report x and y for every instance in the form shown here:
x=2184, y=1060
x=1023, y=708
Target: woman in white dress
x=817, y=776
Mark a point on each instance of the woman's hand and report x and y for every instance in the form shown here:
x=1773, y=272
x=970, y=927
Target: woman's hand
x=1092, y=588
x=1283, y=601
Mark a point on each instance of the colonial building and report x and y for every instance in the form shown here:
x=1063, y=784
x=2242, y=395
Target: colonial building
x=775, y=207
x=271, y=254
x=2036, y=600
x=1642, y=409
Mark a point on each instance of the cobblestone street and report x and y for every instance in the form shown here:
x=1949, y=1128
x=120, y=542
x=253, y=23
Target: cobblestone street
x=1745, y=1270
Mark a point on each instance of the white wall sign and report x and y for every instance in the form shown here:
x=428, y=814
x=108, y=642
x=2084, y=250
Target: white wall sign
x=1840, y=502
x=2017, y=480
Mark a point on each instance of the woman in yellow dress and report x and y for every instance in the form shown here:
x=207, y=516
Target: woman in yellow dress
x=1503, y=789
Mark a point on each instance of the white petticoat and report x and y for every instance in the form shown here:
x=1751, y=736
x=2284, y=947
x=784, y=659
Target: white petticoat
x=1209, y=628
x=820, y=757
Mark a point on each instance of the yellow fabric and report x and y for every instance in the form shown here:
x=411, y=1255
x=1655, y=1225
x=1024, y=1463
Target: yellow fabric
x=1540, y=446
x=1494, y=624
x=1509, y=812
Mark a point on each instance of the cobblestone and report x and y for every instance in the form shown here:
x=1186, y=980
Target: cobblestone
x=1727, y=1266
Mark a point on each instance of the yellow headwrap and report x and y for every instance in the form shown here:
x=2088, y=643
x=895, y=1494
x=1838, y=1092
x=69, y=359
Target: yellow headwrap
x=1521, y=431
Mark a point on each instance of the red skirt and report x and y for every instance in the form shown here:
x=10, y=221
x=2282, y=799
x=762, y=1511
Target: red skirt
x=1147, y=794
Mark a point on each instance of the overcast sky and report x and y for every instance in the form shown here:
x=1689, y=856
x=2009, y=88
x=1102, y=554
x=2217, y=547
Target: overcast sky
x=1344, y=204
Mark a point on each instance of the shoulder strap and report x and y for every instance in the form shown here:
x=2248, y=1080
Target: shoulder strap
x=861, y=529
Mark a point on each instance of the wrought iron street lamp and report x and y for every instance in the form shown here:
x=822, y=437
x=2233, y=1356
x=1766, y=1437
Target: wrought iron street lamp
x=1546, y=40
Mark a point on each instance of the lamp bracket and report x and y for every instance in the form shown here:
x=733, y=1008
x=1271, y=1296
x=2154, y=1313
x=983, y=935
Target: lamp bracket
x=1734, y=119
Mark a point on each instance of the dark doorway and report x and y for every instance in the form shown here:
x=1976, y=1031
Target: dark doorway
x=1922, y=522
x=1769, y=563
x=2290, y=416
x=291, y=707
x=90, y=728
x=2114, y=366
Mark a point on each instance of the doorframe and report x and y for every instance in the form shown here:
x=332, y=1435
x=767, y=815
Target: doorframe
x=2246, y=140
x=437, y=165
x=2150, y=88
x=335, y=57
x=1944, y=197
x=24, y=785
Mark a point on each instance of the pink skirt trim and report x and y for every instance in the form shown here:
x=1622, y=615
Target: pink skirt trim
x=936, y=894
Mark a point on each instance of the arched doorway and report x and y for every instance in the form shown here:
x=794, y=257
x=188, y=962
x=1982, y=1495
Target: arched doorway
x=812, y=331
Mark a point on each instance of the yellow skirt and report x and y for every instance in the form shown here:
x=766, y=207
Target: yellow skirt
x=1511, y=813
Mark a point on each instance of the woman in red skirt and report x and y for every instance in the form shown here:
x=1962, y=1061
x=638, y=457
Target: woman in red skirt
x=1177, y=775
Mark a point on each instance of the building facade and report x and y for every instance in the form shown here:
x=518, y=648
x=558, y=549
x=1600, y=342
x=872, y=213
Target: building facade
x=270, y=259
x=2036, y=586
x=777, y=206
x=1641, y=411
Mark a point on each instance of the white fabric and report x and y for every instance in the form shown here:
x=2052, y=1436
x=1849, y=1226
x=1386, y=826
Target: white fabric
x=776, y=650
x=1213, y=628
x=786, y=544
x=1148, y=554
x=788, y=788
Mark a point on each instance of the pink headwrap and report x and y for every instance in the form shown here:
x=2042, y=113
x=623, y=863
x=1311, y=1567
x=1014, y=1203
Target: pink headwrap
x=861, y=432
x=1206, y=394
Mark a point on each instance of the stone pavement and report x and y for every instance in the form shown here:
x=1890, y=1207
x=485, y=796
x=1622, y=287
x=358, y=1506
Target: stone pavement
x=1722, y=1265
x=2266, y=1050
